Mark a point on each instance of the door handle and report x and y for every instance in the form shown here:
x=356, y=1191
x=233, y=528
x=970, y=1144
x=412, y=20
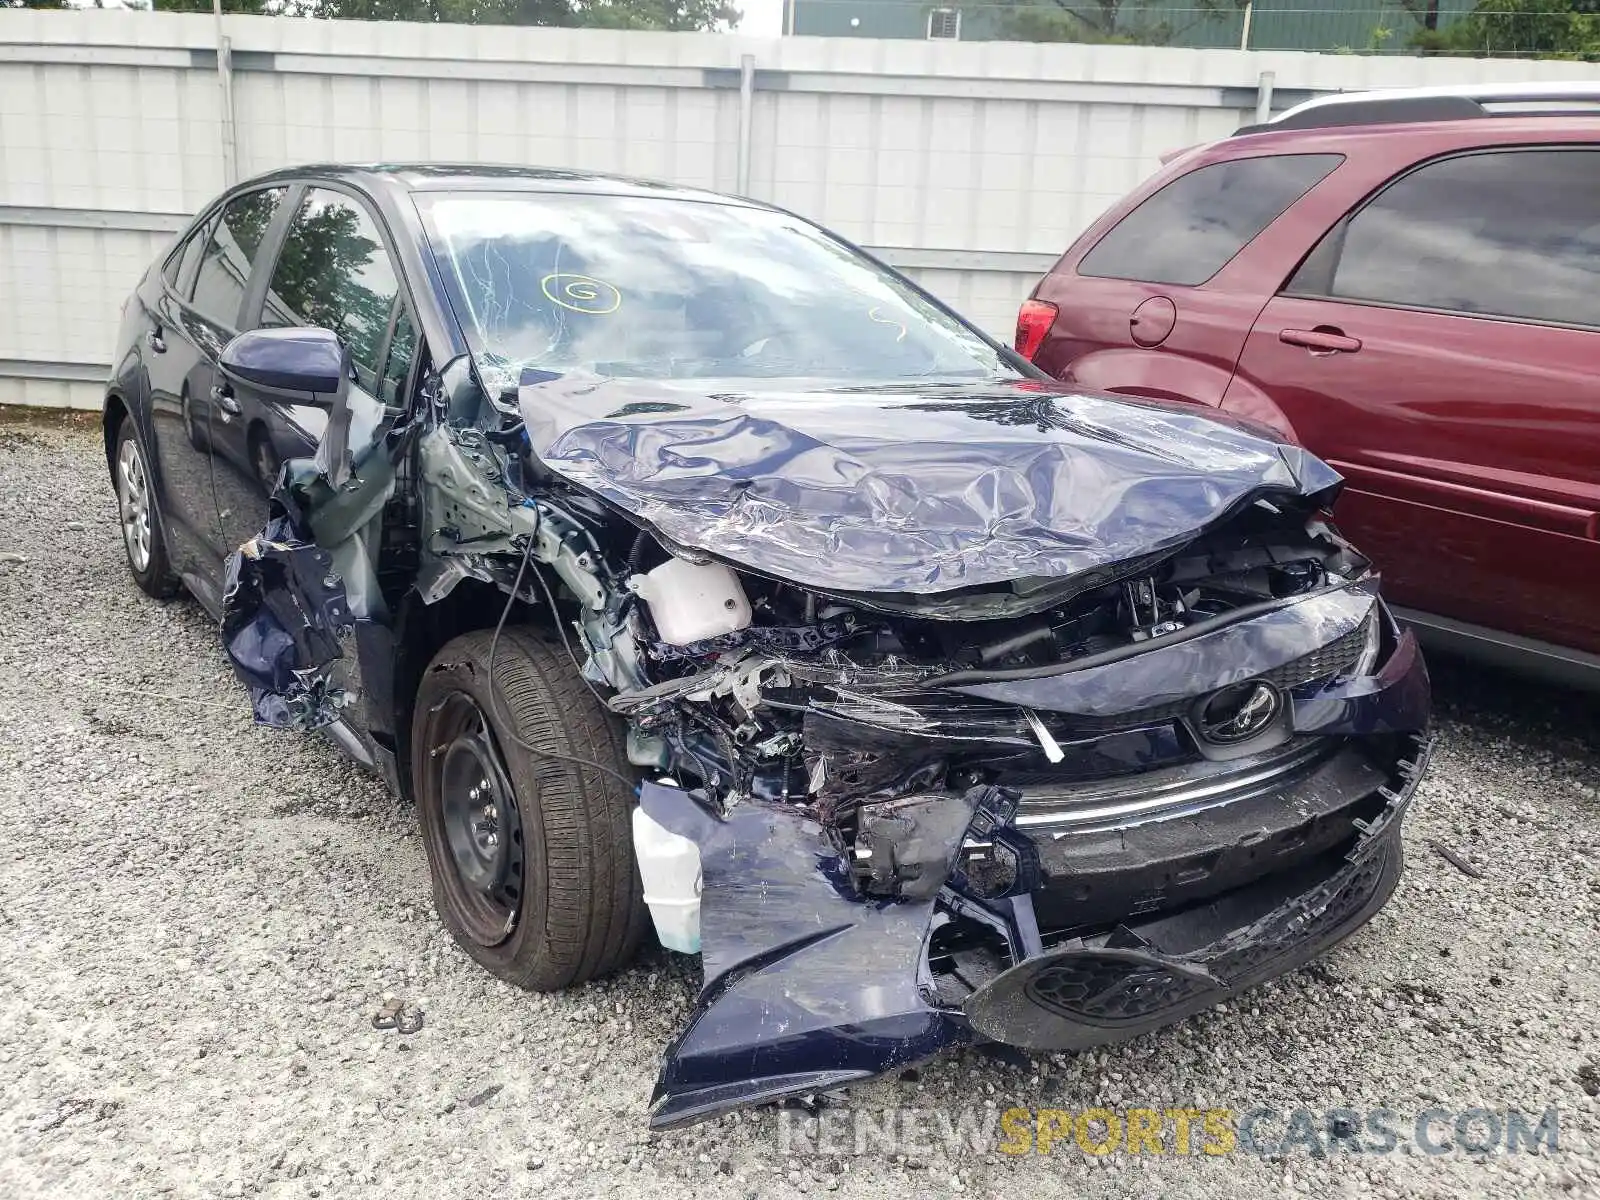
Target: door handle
x=222, y=395
x=1324, y=339
x=153, y=340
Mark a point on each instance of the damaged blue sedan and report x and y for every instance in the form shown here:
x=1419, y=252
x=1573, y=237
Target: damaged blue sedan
x=686, y=567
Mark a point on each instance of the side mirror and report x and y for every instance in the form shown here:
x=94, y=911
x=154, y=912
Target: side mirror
x=288, y=360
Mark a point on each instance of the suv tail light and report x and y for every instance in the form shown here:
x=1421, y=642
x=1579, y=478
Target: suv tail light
x=1033, y=322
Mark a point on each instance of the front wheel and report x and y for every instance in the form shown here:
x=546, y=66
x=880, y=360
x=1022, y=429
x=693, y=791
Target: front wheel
x=531, y=855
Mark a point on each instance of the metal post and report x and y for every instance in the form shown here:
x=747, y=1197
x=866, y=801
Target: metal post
x=230, y=156
x=1264, y=96
x=1244, y=35
x=747, y=94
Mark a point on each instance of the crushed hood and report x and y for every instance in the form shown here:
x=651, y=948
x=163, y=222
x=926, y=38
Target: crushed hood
x=907, y=489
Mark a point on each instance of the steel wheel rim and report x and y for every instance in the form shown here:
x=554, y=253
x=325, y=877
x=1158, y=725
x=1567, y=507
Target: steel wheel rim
x=480, y=826
x=133, y=501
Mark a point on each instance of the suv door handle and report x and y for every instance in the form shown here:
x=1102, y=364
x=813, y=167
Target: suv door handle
x=1324, y=339
x=223, y=396
x=153, y=340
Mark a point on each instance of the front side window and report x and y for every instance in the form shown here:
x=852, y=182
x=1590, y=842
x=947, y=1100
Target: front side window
x=1192, y=228
x=334, y=272
x=646, y=287
x=225, y=267
x=1508, y=233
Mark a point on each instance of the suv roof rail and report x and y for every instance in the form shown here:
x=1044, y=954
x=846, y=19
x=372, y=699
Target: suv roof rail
x=1462, y=102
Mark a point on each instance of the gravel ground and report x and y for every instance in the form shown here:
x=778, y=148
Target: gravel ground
x=198, y=919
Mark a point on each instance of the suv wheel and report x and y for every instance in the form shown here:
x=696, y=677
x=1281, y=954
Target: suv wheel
x=138, y=516
x=531, y=855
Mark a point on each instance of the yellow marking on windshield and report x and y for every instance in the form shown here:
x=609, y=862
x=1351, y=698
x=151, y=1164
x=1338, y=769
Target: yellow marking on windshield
x=872, y=315
x=580, y=293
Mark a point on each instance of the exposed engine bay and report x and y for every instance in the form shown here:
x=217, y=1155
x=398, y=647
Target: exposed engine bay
x=1043, y=783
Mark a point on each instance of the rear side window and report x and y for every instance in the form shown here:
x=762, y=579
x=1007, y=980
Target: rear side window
x=179, y=271
x=1512, y=233
x=231, y=253
x=1190, y=229
x=333, y=271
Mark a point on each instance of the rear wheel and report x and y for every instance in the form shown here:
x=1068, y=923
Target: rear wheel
x=138, y=517
x=531, y=856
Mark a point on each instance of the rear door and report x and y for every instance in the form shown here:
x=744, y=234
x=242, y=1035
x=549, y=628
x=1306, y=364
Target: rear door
x=1153, y=306
x=1440, y=347
x=170, y=356
x=333, y=270
x=196, y=315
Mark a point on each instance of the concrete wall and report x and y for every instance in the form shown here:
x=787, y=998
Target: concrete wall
x=971, y=166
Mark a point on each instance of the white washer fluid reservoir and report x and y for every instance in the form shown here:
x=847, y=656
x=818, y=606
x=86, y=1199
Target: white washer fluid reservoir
x=693, y=601
x=669, y=865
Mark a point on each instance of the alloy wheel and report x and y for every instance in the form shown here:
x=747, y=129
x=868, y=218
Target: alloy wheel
x=133, y=501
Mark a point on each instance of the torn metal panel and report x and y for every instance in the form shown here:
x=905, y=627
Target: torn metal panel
x=297, y=596
x=1001, y=482
x=809, y=984
x=287, y=627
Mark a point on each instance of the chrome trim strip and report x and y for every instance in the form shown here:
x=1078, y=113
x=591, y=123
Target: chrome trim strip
x=1136, y=799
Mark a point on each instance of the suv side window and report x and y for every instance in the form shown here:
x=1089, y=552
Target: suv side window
x=1192, y=228
x=334, y=271
x=1509, y=233
x=230, y=254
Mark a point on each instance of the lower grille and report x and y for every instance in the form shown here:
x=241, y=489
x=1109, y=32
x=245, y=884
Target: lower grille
x=1106, y=991
x=1101, y=990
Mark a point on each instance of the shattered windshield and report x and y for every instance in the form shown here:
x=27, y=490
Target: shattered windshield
x=657, y=288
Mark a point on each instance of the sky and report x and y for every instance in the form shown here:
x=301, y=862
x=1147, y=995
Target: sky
x=762, y=18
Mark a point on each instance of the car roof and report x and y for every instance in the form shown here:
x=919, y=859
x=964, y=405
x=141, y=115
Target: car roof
x=394, y=178
x=1484, y=99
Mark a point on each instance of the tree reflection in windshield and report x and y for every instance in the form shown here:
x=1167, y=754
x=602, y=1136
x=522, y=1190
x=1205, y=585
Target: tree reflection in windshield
x=654, y=287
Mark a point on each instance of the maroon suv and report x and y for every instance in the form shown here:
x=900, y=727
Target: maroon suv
x=1409, y=284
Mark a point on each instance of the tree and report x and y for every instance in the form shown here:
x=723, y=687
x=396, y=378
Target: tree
x=249, y=7
x=1104, y=21
x=1520, y=28
x=604, y=14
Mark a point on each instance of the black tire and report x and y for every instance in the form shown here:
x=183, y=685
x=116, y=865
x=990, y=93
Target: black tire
x=576, y=910
x=155, y=575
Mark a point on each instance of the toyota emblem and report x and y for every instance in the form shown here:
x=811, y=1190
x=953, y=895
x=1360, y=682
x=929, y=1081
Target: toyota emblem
x=1238, y=713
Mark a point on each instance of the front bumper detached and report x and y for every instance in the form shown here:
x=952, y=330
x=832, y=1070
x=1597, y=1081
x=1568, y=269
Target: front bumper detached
x=827, y=961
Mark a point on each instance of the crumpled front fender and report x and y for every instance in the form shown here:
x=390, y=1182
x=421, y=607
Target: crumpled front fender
x=286, y=621
x=808, y=984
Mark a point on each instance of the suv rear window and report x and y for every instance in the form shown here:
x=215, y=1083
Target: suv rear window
x=1190, y=229
x=1513, y=233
